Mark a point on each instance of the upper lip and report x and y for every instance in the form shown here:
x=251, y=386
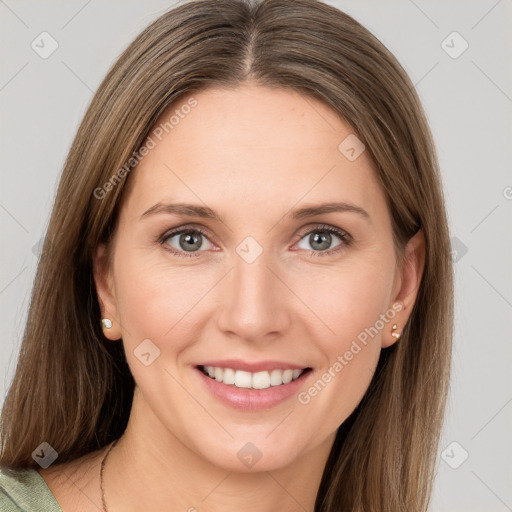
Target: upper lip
x=254, y=366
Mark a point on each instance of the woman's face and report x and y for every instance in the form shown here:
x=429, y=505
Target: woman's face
x=259, y=283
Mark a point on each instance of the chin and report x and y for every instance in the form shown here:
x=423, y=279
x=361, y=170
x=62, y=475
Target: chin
x=253, y=454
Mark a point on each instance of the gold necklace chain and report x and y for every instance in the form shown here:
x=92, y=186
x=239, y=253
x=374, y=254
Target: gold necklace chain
x=104, y=505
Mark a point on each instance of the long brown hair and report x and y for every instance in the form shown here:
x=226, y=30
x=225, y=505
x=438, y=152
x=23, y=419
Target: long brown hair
x=73, y=389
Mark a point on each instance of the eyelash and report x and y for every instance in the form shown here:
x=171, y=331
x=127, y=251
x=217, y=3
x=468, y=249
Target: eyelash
x=345, y=238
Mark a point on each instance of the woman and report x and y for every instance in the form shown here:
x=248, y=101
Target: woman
x=244, y=299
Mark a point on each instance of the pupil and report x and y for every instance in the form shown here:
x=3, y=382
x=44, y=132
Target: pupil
x=323, y=240
x=190, y=241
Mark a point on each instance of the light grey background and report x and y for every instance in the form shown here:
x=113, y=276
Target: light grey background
x=468, y=102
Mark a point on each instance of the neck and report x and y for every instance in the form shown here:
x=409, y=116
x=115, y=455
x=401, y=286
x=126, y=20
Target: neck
x=151, y=469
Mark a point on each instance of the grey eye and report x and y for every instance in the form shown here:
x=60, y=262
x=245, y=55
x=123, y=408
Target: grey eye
x=188, y=241
x=320, y=240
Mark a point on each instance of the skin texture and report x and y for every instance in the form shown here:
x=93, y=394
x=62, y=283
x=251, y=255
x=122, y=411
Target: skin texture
x=252, y=154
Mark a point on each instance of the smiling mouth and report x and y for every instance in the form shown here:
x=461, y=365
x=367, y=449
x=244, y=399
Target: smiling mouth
x=250, y=380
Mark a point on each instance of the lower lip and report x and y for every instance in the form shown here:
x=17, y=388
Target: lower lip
x=252, y=399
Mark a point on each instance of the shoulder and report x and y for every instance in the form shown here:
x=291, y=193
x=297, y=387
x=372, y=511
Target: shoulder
x=75, y=484
x=67, y=486
x=25, y=490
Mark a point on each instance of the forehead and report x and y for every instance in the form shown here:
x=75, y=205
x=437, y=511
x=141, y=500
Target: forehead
x=252, y=146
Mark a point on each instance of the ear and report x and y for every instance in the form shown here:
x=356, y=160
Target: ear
x=106, y=292
x=407, y=284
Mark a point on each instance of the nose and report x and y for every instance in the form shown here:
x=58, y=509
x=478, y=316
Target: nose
x=255, y=301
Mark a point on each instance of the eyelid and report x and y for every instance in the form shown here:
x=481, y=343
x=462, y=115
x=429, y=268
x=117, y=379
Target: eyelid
x=172, y=232
x=321, y=227
x=345, y=237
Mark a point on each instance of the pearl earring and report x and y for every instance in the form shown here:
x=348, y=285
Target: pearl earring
x=106, y=322
x=395, y=334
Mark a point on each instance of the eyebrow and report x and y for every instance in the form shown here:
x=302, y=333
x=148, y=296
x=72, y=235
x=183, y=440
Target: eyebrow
x=193, y=210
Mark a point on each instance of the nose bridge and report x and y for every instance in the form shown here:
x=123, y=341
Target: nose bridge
x=254, y=302
x=252, y=280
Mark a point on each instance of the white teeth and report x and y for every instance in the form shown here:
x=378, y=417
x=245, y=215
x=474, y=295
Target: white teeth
x=276, y=377
x=287, y=376
x=260, y=380
x=242, y=379
x=257, y=380
x=229, y=376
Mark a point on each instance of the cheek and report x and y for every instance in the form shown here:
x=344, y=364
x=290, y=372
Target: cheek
x=349, y=356
x=349, y=299
x=350, y=304
x=150, y=298
x=354, y=312
x=160, y=300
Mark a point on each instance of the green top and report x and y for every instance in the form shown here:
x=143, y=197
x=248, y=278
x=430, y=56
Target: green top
x=24, y=490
